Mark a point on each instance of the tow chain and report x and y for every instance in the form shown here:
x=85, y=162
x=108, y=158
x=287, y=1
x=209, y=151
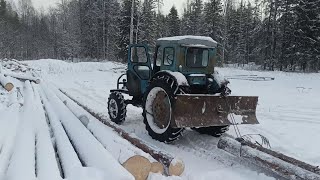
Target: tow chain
x=225, y=92
x=242, y=138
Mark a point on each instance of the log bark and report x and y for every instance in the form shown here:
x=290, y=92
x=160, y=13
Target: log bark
x=7, y=85
x=24, y=77
x=167, y=160
x=266, y=161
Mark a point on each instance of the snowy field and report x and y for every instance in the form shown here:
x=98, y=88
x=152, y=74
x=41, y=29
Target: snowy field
x=288, y=112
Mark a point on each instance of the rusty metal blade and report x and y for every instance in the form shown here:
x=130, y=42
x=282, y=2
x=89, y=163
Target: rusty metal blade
x=210, y=110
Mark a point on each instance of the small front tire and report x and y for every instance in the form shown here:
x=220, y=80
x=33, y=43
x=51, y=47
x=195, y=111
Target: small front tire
x=117, y=107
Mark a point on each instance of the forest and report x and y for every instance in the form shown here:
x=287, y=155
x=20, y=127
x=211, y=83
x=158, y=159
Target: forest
x=274, y=34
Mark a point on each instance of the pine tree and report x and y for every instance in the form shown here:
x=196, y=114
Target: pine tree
x=307, y=34
x=287, y=58
x=196, y=17
x=124, y=28
x=147, y=33
x=186, y=22
x=173, y=24
x=213, y=24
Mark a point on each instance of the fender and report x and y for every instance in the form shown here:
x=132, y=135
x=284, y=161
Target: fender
x=180, y=79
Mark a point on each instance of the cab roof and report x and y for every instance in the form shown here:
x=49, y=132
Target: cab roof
x=188, y=41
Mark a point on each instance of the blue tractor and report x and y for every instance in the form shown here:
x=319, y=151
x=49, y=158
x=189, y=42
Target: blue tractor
x=178, y=88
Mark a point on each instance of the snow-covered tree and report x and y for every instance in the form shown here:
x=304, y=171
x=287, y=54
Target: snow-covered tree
x=173, y=22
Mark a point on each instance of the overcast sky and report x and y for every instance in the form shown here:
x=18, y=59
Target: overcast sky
x=166, y=8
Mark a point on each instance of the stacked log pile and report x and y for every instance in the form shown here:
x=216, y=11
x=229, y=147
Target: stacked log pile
x=13, y=69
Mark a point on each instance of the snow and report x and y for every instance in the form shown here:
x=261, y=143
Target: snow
x=23, y=156
x=187, y=40
x=288, y=112
x=96, y=155
x=117, y=146
x=181, y=79
x=220, y=79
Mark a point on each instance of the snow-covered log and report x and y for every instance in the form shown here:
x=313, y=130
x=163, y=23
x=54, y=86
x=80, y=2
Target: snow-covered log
x=173, y=166
x=10, y=120
x=67, y=155
x=23, y=157
x=46, y=163
x=4, y=81
x=127, y=154
x=90, y=151
x=23, y=77
x=266, y=161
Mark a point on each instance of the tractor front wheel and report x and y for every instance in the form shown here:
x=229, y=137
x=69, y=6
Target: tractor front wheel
x=157, y=111
x=117, y=107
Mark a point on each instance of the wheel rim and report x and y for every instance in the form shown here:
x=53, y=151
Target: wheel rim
x=113, y=108
x=158, y=110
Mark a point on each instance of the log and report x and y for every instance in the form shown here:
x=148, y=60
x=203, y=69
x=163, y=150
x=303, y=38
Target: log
x=176, y=168
x=116, y=145
x=303, y=165
x=24, y=77
x=138, y=166
x=266, y=161
x=91, y=152
x=7, y=85
x=157, y=167
x=164, y=158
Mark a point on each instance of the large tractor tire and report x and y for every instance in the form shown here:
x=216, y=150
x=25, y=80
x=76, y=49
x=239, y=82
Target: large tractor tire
x=117, y=107
x=157, y=109
x=215, y=131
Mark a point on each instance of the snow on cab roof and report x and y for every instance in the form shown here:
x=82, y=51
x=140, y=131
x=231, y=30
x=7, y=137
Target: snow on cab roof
x=189, y=40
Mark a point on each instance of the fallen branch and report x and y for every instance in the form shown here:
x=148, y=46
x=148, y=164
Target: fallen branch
x=4, y=81
x=173, y=166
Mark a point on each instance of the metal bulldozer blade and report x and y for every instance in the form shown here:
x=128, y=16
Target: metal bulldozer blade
x=210, y=110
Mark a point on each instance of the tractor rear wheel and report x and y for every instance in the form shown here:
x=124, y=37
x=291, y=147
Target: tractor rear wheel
x=117, y=107
x=215, y=131
x=157, y=109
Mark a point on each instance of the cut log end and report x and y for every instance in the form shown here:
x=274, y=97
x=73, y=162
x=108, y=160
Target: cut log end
x=138, y=166
x=176, y=167
x=157, y=167
x=9, y=86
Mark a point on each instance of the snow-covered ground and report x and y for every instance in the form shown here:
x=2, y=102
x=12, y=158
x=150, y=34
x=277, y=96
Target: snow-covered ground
x=288, y=112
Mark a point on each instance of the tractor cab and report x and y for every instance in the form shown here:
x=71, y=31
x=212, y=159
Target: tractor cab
x=193, y=56
x=185, y=54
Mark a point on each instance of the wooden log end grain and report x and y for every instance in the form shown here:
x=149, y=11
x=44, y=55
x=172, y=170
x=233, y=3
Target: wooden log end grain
x=138, y=166
x=176, y=167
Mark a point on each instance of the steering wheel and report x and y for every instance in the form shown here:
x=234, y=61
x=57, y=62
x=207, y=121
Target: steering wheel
x=169, y=59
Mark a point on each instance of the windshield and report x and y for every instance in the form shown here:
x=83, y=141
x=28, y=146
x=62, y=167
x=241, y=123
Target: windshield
x=197, y=57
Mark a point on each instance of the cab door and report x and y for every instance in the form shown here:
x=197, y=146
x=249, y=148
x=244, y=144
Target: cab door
x=139, y=70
